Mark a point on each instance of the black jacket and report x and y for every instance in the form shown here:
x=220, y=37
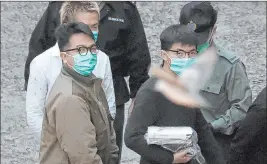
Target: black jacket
x=152, y=108
x=249, y=145
x=122, y=39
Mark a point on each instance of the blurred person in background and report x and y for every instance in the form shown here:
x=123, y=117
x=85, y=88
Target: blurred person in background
x=228, y=90
x=76, y=127
x=249, y=145
x=121, y=37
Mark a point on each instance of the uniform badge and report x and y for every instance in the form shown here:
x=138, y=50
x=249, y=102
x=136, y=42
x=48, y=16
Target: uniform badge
x=191, y=26
x=116, y=19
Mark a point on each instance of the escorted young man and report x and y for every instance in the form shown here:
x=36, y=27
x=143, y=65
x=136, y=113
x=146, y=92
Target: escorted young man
x=46, y=67
x=76, y=126
x=151, y=108
x=121, y=37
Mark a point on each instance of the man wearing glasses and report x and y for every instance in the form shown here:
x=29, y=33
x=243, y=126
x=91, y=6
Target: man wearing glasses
x=151, y=108
x=76, y=126
x=121, y=37
x=46, y=67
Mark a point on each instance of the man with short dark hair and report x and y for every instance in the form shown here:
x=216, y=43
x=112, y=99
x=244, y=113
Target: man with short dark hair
x=152, y=108
x=228, y=89
x=46, y=67
x=121, y=37
x=76, y=127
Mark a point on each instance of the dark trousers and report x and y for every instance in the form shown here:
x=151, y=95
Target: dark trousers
x=118, y=127
x=224, y=141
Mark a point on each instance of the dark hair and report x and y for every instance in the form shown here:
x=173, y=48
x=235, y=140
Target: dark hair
x=177, y=34
x=65, y=31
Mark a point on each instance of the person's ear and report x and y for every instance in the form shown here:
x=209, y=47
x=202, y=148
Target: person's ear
x=163, y=55
x=63, y=56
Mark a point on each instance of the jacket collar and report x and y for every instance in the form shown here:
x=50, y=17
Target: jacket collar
x=85, y=80
x=106, y=8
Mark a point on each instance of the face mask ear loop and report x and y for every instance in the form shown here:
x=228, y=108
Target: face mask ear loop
x=67, y=61
x=169, y=63
x=211, y=35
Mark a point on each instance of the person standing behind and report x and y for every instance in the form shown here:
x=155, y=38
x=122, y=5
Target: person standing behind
x=76, y=127
x=121, y=37
x=228, y=90
x=46, y=67
x=249, y=145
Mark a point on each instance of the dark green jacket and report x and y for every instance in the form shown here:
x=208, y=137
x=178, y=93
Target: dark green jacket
x=228, y=92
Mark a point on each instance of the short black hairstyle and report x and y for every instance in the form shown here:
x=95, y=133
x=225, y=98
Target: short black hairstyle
x=65, y=31
x=177, y=34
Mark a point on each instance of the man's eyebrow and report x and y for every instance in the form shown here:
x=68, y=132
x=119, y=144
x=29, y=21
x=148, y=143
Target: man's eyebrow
x=193, y=49
x=81, y=45
x=96, y=24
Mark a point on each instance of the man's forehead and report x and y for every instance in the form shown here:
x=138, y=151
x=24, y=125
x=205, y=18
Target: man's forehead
x=183, y=46
x=81, y=38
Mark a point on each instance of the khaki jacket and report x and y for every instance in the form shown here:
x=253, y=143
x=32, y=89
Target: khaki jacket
x=76, y=126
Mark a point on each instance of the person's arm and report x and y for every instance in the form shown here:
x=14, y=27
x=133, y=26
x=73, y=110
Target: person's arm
x=247, y=137
x=208, y=145
x=144, y=115
x=75, y=132
x=137, y=54
x=36, y=97
x=108, y=88
x=240, y=97
x=42, y=37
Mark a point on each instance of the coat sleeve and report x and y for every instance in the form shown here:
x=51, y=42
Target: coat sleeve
x=114, y=149
x=240, y=97
x=42, y=37
x=108, y=88
x=36, y=97
x=209, y=146
x=247, y=137
x=137, y=54
x=143, y=116
x=75, y=131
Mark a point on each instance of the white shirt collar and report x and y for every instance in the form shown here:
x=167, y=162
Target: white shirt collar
x=56, y=51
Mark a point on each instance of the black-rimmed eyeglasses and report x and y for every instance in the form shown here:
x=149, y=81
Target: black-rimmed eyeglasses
x=83, y=50
x=183, y=54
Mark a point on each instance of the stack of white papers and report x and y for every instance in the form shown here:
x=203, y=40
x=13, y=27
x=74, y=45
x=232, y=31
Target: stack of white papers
x=176, y=139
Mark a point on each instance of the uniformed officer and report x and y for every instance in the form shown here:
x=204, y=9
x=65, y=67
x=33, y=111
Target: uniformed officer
x=228, y=89
x=121, y=37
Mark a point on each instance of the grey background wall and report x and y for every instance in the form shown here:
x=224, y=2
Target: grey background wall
x=241, y=28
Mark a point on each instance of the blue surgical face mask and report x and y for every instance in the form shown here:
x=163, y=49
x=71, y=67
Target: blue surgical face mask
x=95, y=35
x=178, y=65
x=84, y=64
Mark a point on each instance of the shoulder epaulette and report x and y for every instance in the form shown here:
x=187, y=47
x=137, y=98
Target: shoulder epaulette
x=232, y=58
